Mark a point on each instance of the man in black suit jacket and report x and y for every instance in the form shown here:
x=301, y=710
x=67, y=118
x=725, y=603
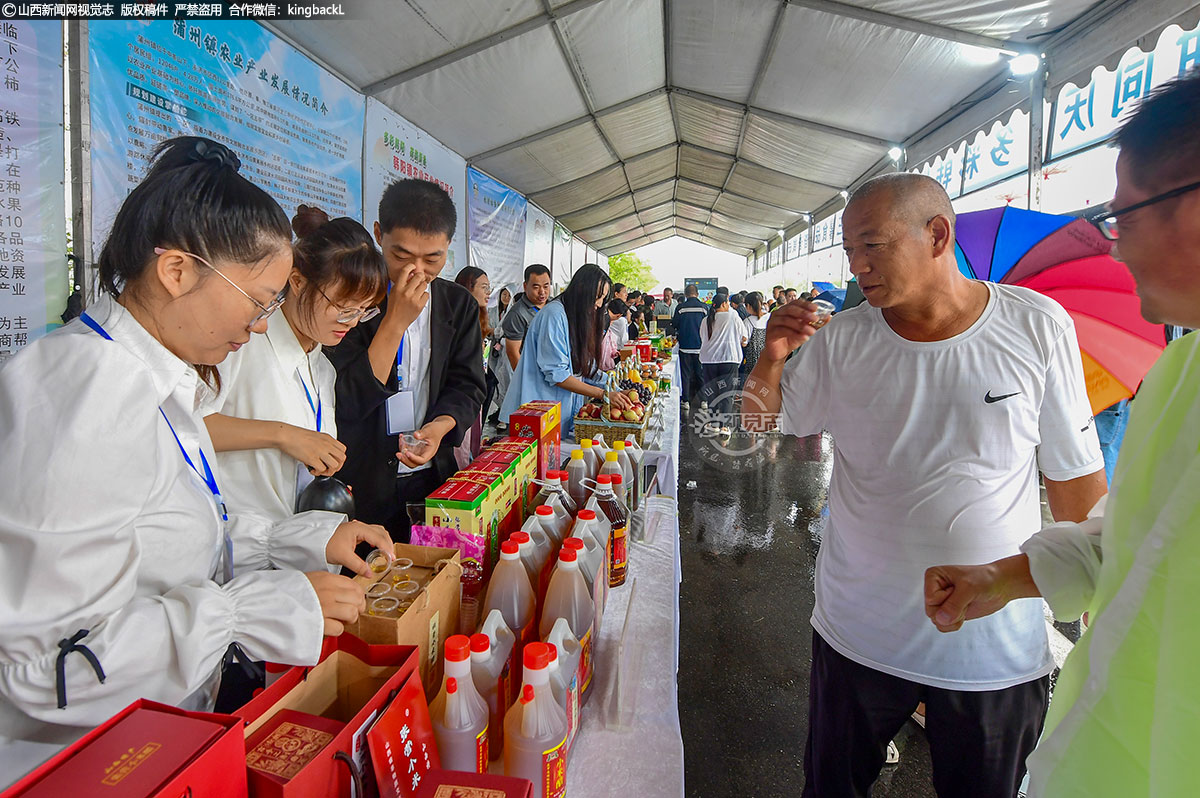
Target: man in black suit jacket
x=416, y=368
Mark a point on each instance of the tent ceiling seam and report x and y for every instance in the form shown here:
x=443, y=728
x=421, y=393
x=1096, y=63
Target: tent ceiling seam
x=478, y=46
x=914, y=25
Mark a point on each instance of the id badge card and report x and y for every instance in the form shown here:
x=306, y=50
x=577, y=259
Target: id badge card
x=401, y=413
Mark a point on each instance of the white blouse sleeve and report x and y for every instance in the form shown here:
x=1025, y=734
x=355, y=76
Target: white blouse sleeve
x=1065, y=560
x=79, y=553
x=296, y=543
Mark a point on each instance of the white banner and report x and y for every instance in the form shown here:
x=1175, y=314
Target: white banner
x=1089, y=114
x=33, y=266
x=396, y=149
x=539, y=237
x=996, y=153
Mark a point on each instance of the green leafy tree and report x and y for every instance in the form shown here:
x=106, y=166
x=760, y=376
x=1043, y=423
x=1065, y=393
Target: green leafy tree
x=632, y=271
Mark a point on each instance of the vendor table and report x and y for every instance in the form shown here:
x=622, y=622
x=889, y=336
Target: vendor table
x=640, y=751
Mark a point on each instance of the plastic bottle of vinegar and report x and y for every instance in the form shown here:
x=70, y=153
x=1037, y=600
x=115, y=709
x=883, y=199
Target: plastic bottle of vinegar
x=533, y=555
x=558, y=487
x=459, y=713
x=577, y=472
x=535, y=730
x=564, y=683
x=568, y=598
x=618, y=518
x=591, y=457
x=628, y=474
x=569, y=656
x=552, y=523
x=510, y=592
x=504, y=645
x=491, y=673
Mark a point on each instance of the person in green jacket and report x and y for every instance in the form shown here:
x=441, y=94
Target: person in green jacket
x=1125, y=718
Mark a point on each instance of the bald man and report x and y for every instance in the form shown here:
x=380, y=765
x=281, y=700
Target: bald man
x=945, y=397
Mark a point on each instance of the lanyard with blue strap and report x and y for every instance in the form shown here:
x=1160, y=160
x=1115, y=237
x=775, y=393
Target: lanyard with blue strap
x=399, y=361
x=207, y=477
x=316, y=408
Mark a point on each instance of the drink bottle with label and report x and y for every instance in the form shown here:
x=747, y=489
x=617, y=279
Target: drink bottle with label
x=535, y=729
x=564, y=683
x=459, y=713
x=618, y=518
x=577, y=472
x=591, y=457
x=510, y=592
x=492, y=673
x=568, y=597
x=628, y=474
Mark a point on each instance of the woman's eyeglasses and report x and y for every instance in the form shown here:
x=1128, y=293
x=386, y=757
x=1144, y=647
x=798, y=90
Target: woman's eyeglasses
x=349, y=315
x=1105, y=220
x=264, y=311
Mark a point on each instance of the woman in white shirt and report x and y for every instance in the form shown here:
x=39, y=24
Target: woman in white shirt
x=272, y=420
x=756, y=331
x=722, y=335
x=121, y=579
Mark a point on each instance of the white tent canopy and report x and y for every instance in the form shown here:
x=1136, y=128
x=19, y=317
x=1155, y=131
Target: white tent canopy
x=721, y=121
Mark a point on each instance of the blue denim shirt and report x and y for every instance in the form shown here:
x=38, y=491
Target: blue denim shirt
x=545, y=362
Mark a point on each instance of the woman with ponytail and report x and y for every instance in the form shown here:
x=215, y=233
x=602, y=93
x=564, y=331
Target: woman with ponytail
x=273, y=420
x=125, y=576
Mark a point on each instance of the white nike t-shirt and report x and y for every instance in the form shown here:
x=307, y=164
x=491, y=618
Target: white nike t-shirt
x=936, y=452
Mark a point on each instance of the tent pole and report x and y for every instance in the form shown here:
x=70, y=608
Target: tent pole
x=1037, y=96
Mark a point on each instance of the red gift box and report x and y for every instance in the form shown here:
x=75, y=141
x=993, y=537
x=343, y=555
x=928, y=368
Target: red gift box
x=402, y=745
x=147, y=749
x=457, y=784
x=351, y=684
x=542, y=422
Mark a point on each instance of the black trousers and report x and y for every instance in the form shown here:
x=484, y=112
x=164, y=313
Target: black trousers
x=720, y=384
x=691, y=374
x=978, y=740
x=411, y=489
x=492, y=385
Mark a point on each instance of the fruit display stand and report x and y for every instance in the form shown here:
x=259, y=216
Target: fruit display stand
x=611, y=430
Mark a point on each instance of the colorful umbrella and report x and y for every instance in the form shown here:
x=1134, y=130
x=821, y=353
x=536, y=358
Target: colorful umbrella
x=1068, y=260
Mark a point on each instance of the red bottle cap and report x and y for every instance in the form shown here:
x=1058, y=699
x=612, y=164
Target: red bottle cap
x=553, y=652
x=508, y=547
x=587, y=515
x=545, y=509
x=604, y=479
x=527, y=694
x=458, y=648
x=575, y=544
x=537, y=656
x=567, y=555
x=451, y=685
x=481, y=643
x=520, y=538
x=617, y=479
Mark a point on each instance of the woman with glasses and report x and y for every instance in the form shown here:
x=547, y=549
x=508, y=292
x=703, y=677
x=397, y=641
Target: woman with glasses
x=125, y=575
x=272, y=419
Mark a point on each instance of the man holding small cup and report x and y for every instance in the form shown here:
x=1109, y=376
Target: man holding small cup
x=945, y=397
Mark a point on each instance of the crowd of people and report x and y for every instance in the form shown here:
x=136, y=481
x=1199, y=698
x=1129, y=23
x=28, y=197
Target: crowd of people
x=149, y=523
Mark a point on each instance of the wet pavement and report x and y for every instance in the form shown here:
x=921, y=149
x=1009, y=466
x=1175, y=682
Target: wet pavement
x=749, y=544
x=751, y=516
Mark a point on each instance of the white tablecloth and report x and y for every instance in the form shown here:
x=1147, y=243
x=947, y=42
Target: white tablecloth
x=640, y=754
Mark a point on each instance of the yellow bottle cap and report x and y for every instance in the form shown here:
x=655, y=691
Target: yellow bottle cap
x=610, y=457
x=577, y=454
x=586, y=443
x=619, y=445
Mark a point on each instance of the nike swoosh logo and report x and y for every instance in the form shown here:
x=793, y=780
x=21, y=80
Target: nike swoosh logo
x=987, y=397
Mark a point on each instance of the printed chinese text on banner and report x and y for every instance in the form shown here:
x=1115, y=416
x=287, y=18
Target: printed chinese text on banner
x=33, y=265
x=396, y=149
x=296, y=128
x=497, y=228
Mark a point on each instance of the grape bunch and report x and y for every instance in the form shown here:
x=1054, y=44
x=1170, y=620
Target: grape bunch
x=644, y=394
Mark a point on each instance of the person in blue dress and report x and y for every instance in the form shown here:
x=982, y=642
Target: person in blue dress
x=561, y=356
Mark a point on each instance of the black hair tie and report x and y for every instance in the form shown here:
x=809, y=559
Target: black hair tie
x=65, y=647
x=206, y=150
